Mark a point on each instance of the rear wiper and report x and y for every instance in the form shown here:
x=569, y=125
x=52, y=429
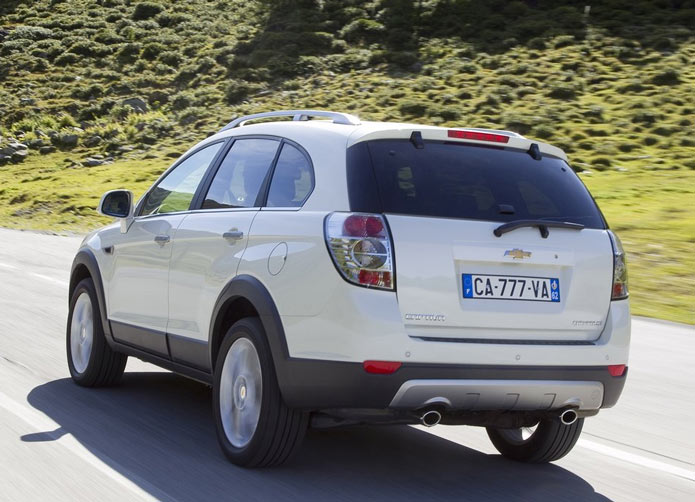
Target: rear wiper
x=542, y=225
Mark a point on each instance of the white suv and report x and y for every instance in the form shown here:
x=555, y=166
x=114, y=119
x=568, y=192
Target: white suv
x=334, y=272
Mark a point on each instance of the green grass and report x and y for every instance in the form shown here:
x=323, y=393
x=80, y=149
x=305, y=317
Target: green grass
x=615, y=89
x=652, y=213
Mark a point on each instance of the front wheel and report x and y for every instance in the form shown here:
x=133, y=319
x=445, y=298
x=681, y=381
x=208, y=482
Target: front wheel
x=254, y=426
x=548, y=441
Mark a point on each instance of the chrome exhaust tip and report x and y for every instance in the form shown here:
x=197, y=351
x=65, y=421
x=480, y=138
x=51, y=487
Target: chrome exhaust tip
x=568, y=417
x=431, y=418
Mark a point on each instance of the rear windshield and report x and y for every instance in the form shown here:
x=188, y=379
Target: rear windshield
x=458, y=180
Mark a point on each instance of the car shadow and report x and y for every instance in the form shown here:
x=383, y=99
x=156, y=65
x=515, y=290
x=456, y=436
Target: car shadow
x=156, y=429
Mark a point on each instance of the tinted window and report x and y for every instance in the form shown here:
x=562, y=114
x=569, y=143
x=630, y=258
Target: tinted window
x=175, y=192
x=239, y=178
x=454, y=180
x=293, y=179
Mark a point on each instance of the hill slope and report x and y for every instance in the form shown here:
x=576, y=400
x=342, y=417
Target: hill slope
x=130, y=84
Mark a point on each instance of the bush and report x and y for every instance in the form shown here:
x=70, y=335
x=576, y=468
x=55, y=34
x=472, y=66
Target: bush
x=238, y=90
x=146, y=10
x=413, y=108
x=152, y=50
x=366, y=30
x=170, y=58
x=667, y=77
x=562, y=91
x=30, y=33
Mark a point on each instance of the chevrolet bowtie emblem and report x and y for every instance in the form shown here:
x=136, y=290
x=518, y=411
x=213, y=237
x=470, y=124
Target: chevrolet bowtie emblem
x=517, y=254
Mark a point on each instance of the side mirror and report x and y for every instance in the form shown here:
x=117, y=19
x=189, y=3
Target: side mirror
x=117, y=203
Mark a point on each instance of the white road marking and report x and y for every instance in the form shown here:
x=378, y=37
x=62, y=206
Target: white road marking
x=34, y=274
x=49, y=279
x=104, y=464
x=637, y=459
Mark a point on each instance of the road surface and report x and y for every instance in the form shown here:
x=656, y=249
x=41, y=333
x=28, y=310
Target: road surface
x=153, y=437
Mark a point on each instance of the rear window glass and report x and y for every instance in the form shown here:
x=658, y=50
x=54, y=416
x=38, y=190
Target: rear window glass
x=456, y=180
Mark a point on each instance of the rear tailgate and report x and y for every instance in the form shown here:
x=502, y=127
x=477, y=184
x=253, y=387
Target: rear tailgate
x=435, y=258
x=455, y=278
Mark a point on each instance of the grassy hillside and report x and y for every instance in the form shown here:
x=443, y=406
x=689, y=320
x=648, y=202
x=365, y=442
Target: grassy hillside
x=104, y=93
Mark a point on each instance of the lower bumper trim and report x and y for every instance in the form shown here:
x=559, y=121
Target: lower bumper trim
x=508, y=395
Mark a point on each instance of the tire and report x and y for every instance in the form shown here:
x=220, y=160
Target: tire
x=550, y=441
x=254, y=426
x=91, y=361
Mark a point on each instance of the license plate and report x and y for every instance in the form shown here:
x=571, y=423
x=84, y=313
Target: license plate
x=511, y=287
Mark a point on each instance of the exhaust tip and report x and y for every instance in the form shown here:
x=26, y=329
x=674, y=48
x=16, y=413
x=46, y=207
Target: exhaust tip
x=431, y=418
x=568, y=417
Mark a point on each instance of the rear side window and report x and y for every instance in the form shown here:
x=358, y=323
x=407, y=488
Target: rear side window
x=293, y=179
x=175, y=192
x=457, y=180
x=241, y=174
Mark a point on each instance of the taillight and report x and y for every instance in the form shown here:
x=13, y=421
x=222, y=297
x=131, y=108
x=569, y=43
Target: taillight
x=361, y=248
x=478, y=136
x=619, y=291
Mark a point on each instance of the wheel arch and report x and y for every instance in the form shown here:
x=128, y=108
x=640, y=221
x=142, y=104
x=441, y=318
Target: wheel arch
x=246, y=296
x=85, y=266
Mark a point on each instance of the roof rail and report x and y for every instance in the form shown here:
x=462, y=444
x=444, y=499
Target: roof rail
x=338, y=118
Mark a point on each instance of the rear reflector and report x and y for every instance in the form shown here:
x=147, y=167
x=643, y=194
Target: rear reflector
x=381, y=367
x=616, y=370
x=479, y=136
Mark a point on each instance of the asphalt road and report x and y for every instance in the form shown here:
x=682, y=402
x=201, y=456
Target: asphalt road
x=152, y=437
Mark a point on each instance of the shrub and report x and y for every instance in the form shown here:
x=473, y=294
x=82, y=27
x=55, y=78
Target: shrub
x=667, y=77
x=171, y=58
x=30, y=33
x=562, y=91
x=362, y=30
x=152, y=50
x=237, y=90
x=146, y=10
x=413, y=108
x=66, y=59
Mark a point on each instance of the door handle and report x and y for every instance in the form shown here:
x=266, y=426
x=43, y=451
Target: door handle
x=162, y=239
x=233, y=234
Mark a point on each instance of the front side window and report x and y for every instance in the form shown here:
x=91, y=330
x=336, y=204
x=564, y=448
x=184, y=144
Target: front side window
x=293, y=179
x=175, y=192
x=241, y=174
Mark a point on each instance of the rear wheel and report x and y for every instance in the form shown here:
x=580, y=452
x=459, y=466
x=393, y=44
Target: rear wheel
x=254, y=426
x=91, y=361
x=547, y=441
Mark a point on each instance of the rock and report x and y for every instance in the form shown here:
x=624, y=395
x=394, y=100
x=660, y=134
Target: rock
x=91, y=162
x=92, y=141
x=7, y=151
x=46, y=149
x=35, y=143
x=125, y=148
x=3, y=34
x=19, y=155
x=18, y=146
x=69, y=140
x=416, y=67
x=100, y=157
x=27, y=101
x=136, y=104
x=4, y=159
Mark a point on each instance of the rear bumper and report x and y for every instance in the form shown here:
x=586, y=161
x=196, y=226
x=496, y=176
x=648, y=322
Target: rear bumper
x=317, y=384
